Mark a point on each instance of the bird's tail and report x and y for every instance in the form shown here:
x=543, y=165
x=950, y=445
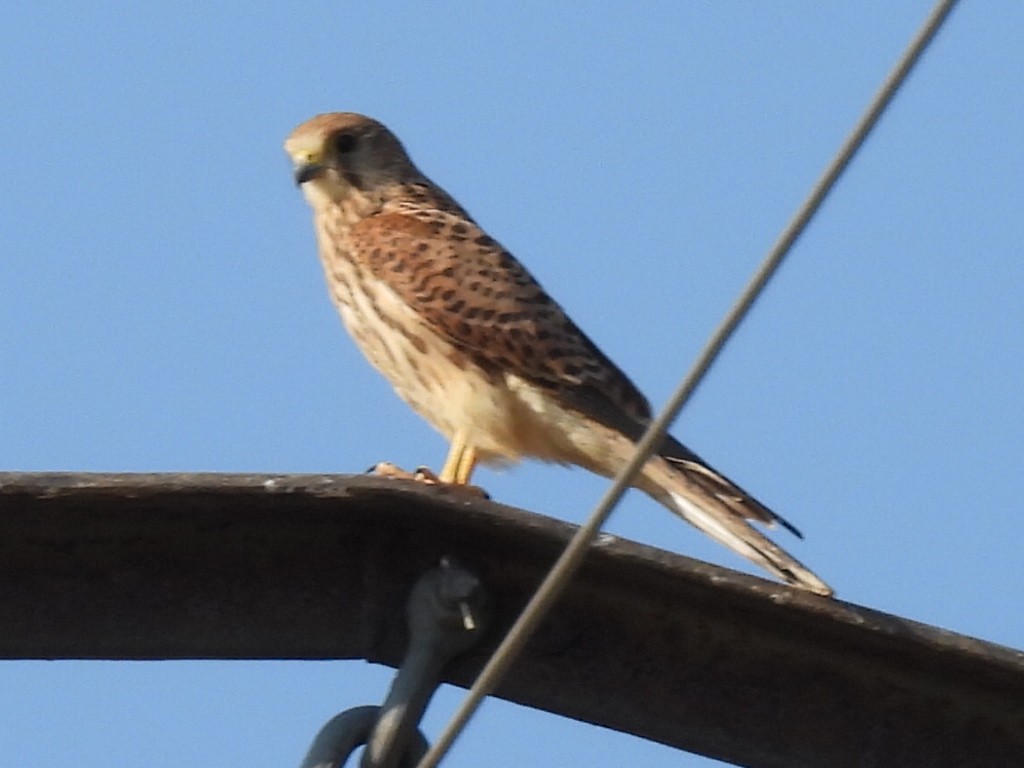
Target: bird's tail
x=721, y=509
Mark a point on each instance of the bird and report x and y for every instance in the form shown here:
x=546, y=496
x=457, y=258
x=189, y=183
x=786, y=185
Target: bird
x=471, y=341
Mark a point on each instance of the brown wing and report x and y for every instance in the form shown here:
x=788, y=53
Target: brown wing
x=475, y=294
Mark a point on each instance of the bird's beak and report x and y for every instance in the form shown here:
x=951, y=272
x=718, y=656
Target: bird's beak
x=309, y=171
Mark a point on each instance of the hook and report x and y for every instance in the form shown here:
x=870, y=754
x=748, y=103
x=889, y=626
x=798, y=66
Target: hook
x=447, y=613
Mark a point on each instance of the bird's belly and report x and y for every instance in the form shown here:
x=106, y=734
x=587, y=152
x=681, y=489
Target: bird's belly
x=440, y=382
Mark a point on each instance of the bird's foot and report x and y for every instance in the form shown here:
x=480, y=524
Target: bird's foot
x=394, y=472
x=426, y=476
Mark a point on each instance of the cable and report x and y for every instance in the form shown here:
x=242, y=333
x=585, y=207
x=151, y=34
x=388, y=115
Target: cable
x=570, y=560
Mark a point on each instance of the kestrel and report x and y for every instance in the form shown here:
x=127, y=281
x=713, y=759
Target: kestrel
x=471, y=341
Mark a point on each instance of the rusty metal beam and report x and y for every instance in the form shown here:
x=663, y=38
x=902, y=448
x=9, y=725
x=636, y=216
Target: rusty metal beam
x=646, y=642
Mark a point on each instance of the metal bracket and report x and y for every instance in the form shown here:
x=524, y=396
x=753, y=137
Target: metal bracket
x=447, y=612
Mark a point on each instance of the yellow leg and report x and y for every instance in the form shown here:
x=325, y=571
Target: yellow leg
x=452, y=464
x=466, y=465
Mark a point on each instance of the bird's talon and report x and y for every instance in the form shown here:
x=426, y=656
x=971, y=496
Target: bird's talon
x=426, y=475
x=423, y=475
x=389, y=470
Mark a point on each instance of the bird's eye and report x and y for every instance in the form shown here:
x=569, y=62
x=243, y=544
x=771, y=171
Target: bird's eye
x=344, y=143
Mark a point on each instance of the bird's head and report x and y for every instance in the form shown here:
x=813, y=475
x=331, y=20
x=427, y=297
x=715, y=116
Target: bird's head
x=341, y=153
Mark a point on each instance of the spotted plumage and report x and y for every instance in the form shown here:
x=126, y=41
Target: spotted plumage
x=470, y=340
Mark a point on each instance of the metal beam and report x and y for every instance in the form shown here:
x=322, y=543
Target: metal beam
x=647, y=642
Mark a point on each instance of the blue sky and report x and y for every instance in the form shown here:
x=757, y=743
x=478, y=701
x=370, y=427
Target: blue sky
x=162, y=307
